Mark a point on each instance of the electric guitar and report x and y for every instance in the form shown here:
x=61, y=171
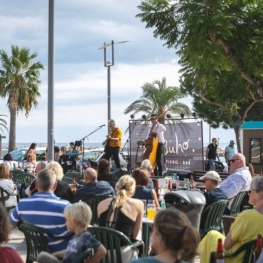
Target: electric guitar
x=107, y=141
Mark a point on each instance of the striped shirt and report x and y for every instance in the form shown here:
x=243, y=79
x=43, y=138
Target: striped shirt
x=43, y=209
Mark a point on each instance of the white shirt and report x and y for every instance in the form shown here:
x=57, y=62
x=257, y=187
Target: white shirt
x=8, y=185
x=239, y=181
x=159, y=129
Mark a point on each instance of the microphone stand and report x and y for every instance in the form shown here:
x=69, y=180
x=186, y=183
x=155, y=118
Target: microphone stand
x=83, y=139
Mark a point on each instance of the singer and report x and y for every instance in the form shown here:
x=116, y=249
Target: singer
x=113, y=143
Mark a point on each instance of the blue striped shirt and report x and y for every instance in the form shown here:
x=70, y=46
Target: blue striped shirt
x=44, y=209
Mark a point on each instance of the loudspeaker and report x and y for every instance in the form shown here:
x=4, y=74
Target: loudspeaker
x=77, y=143
x=119, y=173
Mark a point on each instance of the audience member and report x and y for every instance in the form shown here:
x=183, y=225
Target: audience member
x=239, y=179
x=29, y=163
x=8, y=160
x=44, y=209
x=7, y=253
x=104, y=170
x=173, y=237
x=7, y=184
x=246, y=227
x=213, y=192
x=66, y=160
x=32, y=152
x=62, y=189
x=141, y=177
x=146, y=164
x=122, y=212
x=78, y=217
x=92, y=187
x=32, y=188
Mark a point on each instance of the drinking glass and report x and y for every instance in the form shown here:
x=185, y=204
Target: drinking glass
x=151, y=211
x=151, y=202
x=145, y=204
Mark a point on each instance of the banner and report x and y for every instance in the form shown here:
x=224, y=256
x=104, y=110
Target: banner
x=183, y=145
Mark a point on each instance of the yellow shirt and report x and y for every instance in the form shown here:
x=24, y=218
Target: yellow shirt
x=117, y=133
x=246, y=227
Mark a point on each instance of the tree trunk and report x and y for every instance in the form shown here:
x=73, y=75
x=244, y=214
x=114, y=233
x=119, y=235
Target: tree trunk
x=237, y=133
x=12, y=130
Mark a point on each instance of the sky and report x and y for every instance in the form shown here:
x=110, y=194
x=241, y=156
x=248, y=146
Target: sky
x=80, y=78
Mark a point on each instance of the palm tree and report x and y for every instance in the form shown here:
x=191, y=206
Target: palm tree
x=157, y=97
x=19, y=82
x=3, y=122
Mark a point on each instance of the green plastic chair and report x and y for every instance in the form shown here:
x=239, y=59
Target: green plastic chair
x=74, y=175
x=20, y=177
x=212, y=215
x=247, y=248
x=4, y=196
x=237, y=203
x=93, y=203
x=36, y=240
x=113, y=240
x=67, y=179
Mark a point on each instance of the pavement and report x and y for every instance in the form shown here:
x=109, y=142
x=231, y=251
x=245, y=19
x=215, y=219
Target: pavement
x=17, y=240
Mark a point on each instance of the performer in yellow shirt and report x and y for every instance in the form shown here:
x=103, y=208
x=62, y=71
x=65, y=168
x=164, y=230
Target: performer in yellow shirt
x=113, y=143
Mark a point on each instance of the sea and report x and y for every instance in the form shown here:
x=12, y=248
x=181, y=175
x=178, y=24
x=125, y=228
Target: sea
x=86, y=145
x=27, y=145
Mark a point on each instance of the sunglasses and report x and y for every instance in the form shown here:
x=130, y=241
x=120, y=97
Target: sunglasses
x=250, y=190
x=233, y=160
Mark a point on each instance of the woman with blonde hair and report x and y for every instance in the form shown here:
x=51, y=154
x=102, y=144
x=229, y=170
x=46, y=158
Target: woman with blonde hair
x=7, y=184
x=122, y=212
x=62, y=190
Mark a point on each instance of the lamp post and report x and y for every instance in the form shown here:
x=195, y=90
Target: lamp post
x=108, y=64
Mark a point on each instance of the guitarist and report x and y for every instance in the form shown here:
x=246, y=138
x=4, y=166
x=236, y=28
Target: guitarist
x=159, y=129
x=113, y=143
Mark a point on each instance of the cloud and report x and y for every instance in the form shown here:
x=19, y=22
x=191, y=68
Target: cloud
x=80, y=78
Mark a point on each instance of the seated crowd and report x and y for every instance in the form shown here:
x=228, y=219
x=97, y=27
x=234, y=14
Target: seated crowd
x=51, y=203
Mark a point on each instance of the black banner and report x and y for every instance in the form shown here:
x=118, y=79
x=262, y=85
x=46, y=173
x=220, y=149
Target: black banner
x=183, y=145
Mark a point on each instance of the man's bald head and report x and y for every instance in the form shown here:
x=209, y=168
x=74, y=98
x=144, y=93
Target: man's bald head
x=238, y=160
x=90, y=175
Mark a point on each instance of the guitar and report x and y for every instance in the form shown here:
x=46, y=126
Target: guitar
x=107, y=141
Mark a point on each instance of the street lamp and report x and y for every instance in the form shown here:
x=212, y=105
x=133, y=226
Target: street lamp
x=108, y=64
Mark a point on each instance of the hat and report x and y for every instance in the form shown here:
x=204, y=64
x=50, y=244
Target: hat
x=211, y=175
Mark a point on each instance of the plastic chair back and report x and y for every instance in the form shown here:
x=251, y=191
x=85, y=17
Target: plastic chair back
x=20, y=177
x=237, y=202
x=247, y=248
x=74, y=175
x=93, y=203
x=213, y=217
x=112, y=240
x=35, y=240
x=5, y=195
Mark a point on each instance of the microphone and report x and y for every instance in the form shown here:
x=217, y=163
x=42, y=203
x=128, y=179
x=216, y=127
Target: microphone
x=102, y=125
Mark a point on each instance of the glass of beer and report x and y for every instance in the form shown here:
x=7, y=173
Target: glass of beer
x=151, y=211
